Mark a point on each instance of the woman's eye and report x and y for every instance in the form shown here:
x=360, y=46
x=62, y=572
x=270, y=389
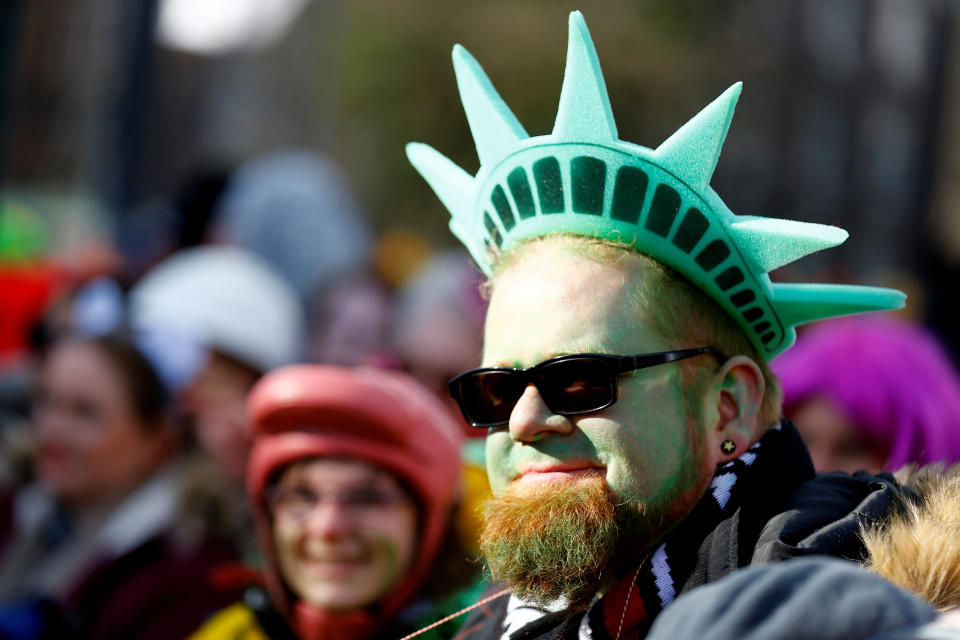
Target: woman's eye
x=86, y=410
x=302, y=494
x=363, y=497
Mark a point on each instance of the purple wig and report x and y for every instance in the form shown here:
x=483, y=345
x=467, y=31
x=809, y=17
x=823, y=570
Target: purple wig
x=891, y=379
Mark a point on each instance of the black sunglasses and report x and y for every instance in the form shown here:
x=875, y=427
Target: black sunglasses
x=569, y=385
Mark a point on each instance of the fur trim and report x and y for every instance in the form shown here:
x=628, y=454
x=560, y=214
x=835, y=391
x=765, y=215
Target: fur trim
x=919, y=548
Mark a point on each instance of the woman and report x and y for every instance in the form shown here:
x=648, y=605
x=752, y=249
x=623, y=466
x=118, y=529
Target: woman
x=93, y=549
x=871, y=393
x=353, y=477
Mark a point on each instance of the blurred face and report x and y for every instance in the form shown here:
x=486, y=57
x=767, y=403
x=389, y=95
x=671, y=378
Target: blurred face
x=345, y=532
x=835, y=443
x=355, y=326
x=92, y=444
x=647, y=446
x=436, y=348
x=218, y=402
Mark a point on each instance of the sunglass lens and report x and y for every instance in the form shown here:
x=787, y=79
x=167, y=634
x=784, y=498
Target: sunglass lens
x=487, y=397
x=578, y=385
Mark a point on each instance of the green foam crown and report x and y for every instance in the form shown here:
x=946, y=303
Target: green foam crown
x=582, y=179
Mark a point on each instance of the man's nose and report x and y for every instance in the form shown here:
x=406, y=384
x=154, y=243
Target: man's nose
x=532, y=420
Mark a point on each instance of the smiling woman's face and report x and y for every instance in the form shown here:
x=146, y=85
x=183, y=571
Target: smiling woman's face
x=344, y=530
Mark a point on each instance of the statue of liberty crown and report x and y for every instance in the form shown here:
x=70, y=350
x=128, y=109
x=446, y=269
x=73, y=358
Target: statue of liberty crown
x=582, y=179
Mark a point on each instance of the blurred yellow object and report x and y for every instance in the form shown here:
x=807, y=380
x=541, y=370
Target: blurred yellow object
x=399, y=254
x=476, y=491
x=236, y=622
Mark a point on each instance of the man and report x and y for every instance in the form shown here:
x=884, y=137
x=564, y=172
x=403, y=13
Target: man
x=623, y=480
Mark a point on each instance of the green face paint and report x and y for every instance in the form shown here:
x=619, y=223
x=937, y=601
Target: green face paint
x=648, y=444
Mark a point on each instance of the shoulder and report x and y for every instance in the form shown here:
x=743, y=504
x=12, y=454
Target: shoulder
x=815, y=598
x=153, y=591
x=486, y=621
x=825, y=515
x=506, y=616
x=236, y=622
x=452, y=609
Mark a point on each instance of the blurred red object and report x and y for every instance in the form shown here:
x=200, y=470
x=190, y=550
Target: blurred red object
x=26, y=289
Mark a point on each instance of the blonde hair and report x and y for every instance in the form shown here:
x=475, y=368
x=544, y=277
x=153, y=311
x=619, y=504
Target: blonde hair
x=919, y=548
x=675, y=309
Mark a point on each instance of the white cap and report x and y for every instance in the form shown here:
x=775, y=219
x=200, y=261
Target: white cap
x=223, y=298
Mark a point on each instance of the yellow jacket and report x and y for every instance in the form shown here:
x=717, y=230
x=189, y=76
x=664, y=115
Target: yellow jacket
x=236, y=622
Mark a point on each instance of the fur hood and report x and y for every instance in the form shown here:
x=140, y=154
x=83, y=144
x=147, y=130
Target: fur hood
x=919, y=548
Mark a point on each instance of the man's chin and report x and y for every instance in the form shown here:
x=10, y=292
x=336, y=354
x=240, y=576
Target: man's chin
x=551, y=540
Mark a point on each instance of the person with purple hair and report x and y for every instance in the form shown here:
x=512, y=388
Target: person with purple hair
x=872, y=392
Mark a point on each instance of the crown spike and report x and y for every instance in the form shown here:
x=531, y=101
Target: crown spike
x=584, y=112
x=455, y=187
x=496, y=131
x=691, y=153
x=771, y=242
x=807, y=302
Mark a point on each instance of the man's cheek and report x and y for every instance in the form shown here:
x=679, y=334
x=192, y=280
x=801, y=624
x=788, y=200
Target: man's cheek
x=499, y=467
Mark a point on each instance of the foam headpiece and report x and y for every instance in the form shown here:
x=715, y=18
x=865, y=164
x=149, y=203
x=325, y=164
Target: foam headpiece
x=582, y=179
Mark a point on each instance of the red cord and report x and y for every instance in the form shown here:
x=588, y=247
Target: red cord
x=457, y=614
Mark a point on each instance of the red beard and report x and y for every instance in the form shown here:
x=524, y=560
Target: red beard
x=551, y=541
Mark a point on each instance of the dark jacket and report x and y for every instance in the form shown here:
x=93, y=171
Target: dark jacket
x=155, y=592
x=784, y=510
x=143, y=573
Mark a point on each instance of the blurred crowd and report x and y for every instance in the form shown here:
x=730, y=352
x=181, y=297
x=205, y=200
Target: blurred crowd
x=164, y=471
x=125, y=381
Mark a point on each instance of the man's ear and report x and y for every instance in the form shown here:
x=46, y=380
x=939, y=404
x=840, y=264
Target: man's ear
x=736, y=394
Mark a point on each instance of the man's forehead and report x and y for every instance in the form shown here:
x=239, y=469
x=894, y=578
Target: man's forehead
x=552, y=302
x=577, y=275
x=548, y=353
x=573, y=253
x=556, y=275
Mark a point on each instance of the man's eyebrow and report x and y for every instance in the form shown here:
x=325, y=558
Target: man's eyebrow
x=584, y=347
x=516, y=364
x=570, y=352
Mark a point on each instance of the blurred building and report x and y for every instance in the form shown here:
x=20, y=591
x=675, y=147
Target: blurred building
x=849, y=113
x=861, y=100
